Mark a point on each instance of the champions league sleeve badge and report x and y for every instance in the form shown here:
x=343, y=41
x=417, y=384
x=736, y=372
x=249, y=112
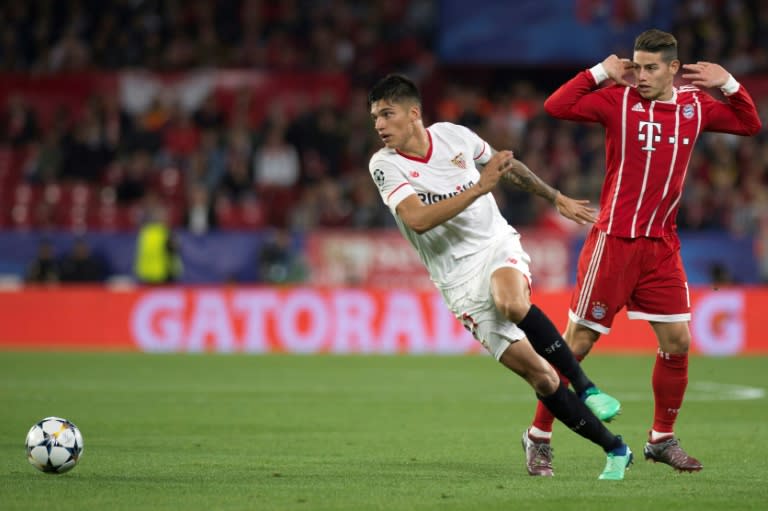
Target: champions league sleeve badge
x=378, y=176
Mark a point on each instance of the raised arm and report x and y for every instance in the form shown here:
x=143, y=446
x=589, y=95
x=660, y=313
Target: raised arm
x=739, y=115
x=575, y=100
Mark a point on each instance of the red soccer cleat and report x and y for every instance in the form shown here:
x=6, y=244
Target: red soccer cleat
x=669, y=451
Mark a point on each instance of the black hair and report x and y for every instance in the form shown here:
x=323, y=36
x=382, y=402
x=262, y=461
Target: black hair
x=657, y=41
x=395, y=88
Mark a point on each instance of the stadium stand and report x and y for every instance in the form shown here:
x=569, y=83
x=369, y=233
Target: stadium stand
x=78, y=153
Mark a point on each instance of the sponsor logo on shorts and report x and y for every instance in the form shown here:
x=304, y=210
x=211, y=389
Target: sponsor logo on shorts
x=598, y=310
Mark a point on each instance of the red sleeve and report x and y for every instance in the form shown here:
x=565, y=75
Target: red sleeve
x=738, y=116
x=576, y=100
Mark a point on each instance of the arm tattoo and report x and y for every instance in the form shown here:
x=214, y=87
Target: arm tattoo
x=524, y=178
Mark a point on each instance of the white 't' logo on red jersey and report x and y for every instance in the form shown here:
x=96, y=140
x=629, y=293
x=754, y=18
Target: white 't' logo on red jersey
x=650, y=132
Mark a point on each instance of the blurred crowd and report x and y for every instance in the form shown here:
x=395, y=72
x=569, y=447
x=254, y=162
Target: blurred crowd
x=168, y=35
x=305, y=166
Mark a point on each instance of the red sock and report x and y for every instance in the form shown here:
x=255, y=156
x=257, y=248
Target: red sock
x=543, y=419
x=670, y=377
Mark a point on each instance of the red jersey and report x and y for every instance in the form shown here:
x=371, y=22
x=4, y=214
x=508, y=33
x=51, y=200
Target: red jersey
x=648, y=146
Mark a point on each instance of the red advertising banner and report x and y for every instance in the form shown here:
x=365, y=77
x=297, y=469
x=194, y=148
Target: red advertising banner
x=48, y=93
x=321, y=320
x=384, y=259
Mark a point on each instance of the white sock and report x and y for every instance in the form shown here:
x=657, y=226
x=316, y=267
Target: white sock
x=656, y=436
x=535, y=432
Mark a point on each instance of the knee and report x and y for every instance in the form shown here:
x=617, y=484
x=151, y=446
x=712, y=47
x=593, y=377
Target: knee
x=514, y=308
x=673, y=338
x=677, y=344
x=544, y=382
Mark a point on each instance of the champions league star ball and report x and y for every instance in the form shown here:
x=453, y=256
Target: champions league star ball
x=54, y=445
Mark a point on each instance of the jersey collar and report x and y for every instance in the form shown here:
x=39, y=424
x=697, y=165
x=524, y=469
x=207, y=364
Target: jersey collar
x=419, y=159
x=672, y=100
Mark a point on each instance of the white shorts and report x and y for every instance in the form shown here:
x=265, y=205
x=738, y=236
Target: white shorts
x=472, y=302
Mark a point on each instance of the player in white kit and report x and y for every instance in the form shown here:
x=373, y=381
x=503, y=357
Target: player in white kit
x=429, y=179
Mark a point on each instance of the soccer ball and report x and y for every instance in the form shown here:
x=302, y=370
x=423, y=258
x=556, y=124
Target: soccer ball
x=54, y=445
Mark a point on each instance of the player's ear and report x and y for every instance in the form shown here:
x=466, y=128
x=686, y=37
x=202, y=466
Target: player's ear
x=414, y=112
x=674, y=66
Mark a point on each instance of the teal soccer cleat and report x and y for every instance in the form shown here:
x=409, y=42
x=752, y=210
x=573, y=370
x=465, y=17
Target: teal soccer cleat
x=616, y=465
x=605, y=407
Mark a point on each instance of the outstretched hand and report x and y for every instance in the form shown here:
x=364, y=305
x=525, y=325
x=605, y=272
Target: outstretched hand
x=705, y=74
x=617, y=68
x=577, y=210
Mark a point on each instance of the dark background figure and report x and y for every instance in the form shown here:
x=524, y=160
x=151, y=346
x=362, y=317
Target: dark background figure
x=43, y=268
x=279, y=262
x=81, y=264
x=720, y=275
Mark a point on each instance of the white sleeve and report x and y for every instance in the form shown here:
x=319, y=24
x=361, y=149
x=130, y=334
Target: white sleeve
x=481, y=150
x=392, y=184
x=731, y=86
x=599, y=73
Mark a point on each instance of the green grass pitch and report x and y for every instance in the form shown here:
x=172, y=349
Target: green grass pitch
x=207, y=432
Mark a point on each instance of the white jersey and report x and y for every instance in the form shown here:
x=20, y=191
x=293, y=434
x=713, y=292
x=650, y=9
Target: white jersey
x=449, y=168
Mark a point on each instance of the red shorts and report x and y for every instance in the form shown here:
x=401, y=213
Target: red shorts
x=644, y=274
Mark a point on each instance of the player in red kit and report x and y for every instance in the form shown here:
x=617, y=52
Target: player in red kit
x=631, y=257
